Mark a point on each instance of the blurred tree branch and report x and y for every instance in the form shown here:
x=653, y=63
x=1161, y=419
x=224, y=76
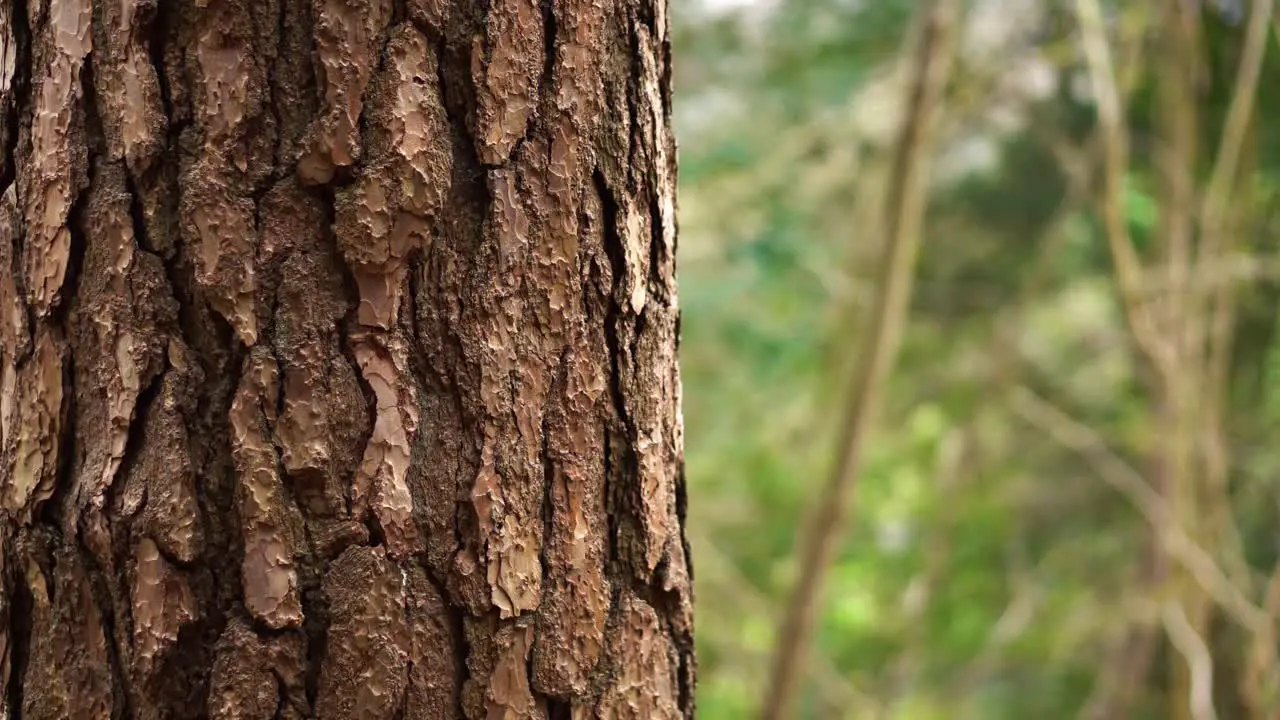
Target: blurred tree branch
x=905, y=204
x=1195, y=650
x=1111, y=122
x=1116, y=472
x=1187, y=343
x=837, y=691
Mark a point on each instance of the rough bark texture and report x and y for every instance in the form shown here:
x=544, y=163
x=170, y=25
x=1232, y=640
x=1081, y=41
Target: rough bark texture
x=337, y=361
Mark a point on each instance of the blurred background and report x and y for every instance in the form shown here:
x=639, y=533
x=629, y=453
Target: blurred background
x=1067, y=504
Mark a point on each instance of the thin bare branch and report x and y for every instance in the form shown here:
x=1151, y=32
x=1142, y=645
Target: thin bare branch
x=1115, y=144
x=1122, y=476
x=907, y=194
x=1222, y=179
x=1193, y=648
x=837, y=690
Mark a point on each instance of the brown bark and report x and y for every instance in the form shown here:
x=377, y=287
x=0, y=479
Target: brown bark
x=337, y=361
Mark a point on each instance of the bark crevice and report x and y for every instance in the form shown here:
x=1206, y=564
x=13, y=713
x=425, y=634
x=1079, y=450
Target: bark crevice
x=20, y=628
x=159, y=32
x=103, y=599
x=616, y=459
x=18, y=89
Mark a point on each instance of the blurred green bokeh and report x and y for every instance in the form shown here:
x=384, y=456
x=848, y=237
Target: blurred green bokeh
x=989, y=570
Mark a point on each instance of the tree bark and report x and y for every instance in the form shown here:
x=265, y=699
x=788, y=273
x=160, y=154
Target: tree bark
x=337, y=361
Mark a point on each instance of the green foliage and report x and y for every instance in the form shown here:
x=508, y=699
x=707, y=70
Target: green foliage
x=988, y=571
x=822, y=50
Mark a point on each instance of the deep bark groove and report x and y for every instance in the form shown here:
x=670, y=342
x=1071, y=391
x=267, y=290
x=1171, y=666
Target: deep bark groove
x=16, y=35
x=337, y=356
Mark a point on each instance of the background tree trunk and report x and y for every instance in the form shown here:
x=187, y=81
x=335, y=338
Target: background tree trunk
x=337, y=351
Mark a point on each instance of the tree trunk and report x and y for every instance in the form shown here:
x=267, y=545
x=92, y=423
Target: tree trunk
x=337, y=352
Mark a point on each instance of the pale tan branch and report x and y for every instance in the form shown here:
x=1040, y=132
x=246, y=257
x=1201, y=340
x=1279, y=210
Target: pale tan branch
x=1222, y=178
x=1111, y=121
x=838, y=691
x=1195, y=651
x=907, y=194
x=1113, y=470
x=1260, y=684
